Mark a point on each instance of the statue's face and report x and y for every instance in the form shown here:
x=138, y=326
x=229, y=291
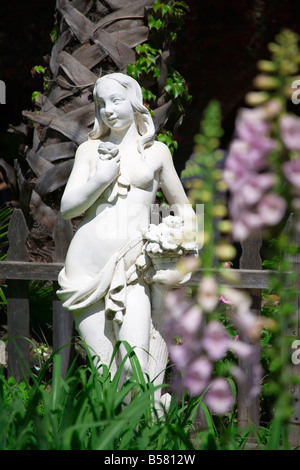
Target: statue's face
x=115, y=107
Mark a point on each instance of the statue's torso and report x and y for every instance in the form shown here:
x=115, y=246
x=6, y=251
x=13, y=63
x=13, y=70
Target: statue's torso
x=121, y=211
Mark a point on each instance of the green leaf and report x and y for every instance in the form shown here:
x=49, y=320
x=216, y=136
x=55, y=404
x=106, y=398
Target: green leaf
x=130, y=417
x=39, y=69
x=148, y=95
x=156, y=5
x=155, y=24
x=275, y=435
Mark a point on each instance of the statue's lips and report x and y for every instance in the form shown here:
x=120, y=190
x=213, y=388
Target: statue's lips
x=111, y=120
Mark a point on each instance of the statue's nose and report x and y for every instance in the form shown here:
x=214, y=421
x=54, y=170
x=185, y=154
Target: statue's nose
x=108, y=111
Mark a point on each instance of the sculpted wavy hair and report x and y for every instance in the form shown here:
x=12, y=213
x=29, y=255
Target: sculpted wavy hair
x=143, y=119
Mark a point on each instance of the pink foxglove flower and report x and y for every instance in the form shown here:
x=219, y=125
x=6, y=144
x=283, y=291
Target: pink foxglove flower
x=200, y=345
x=197, y=376
x=180, y=355
x=215, y=340
x=252, y=128
x=208, y=294
x=190, y=321
x=178, y=308
x=250, y=123
x=224, y=300
x=291, y=170
x=271, y=209
x=290, y=131
x=247, y=322
x=237, y=298
x=244, y=156
x=254, y=187
x=219, y=397
x=252, y=203
x=240, y=348
x=248, y=218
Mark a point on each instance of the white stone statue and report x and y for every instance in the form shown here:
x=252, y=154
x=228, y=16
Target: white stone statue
x=119, y=259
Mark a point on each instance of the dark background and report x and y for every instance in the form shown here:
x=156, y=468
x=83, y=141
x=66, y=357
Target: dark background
x=216, y=53
x=25, y=28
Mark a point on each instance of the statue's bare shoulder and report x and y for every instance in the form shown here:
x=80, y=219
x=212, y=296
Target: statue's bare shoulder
x=86, y=150
x=160, y=154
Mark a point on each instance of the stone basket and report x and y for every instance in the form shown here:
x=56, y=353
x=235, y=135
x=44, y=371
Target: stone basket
x=165, y=268
x=167, y=260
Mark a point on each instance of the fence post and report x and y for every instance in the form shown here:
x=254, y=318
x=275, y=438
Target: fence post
x=18, y=316
x=250, y=259
x=63, y=323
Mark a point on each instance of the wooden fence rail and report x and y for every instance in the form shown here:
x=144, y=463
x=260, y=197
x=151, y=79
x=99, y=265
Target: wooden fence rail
x=18, y=271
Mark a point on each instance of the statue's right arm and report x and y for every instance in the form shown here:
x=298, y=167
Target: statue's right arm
x=82, y=190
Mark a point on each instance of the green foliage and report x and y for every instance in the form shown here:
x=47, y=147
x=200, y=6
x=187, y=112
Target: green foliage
x=207, y=142
x=167, y=138
x=35, y=95
x=54, y=35
x=146, y=62
x=203, y=178
x=87, y=411
x=168, y=17
x=164, y=23
x=177, y=89
x=39, y=69
x=43, y=71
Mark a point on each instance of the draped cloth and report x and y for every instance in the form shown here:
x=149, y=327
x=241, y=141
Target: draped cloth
x=109, y=284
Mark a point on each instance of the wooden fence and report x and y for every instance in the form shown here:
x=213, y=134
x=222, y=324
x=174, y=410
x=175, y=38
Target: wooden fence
x=18, y=271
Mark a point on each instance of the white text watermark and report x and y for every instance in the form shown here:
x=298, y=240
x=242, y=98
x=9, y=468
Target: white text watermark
x=124, y=220
x=2, y=352
x=2, y=92
x=296, y=93
x=296, y=353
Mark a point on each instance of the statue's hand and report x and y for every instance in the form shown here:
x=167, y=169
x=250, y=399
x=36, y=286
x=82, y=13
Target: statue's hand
x=107, y=150
x=108, y=165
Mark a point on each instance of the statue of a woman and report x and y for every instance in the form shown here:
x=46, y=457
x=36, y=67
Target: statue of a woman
x=116, y=175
